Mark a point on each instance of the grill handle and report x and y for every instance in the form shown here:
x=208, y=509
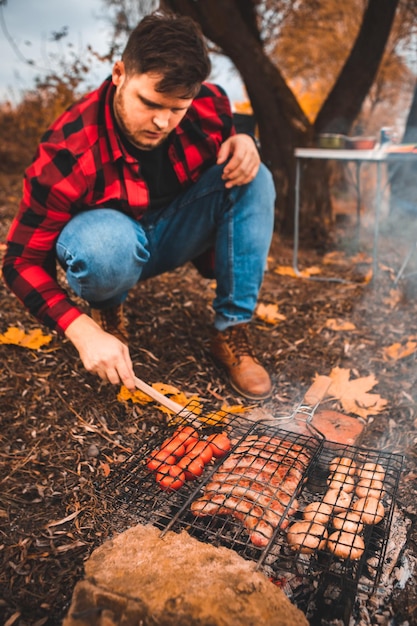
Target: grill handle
x=317, y=391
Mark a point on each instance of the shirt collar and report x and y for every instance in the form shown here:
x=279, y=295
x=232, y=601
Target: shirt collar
x=117, y=149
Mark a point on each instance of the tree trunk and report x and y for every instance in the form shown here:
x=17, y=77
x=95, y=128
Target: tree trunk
x=345, y=100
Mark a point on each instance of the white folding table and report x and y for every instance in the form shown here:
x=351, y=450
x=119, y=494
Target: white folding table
x=377, y=156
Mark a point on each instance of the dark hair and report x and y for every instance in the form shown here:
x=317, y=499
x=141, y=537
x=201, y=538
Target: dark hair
x=170, y=45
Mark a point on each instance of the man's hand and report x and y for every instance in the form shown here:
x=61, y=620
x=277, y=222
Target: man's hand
x=101, y=353
x=243, y=160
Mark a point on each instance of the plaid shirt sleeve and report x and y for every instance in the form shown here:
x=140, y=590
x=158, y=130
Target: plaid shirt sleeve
x=52, y=186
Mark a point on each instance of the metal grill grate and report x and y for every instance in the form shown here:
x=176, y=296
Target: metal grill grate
x=135, y=497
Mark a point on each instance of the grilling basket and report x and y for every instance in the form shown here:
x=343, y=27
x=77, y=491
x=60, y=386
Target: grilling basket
x=313, y=514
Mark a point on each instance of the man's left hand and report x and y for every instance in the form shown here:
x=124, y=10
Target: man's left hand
x=242, y=158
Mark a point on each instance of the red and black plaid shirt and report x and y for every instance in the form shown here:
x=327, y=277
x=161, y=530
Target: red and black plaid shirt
x=81, y=164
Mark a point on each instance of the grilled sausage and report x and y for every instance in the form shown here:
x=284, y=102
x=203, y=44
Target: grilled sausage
x=256, y=485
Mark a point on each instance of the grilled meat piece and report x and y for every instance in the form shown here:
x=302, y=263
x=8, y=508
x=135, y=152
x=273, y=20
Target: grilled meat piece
x=255, y=485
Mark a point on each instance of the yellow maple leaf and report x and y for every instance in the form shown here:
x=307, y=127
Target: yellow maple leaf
x=137, y=397
x=236, y=408
x=33, y=340
x=269, y=313
x=178, y=396
x=353, y=394
x=287, y=270
x=399, y=351
x=336, y=257
x=338, y=324
x=214, y=417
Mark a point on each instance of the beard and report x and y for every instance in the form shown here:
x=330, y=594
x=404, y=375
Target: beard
x=142, y=138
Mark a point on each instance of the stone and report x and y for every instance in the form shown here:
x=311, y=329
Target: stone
x=141, y=577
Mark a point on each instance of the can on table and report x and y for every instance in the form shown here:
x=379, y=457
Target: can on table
x=385, y=135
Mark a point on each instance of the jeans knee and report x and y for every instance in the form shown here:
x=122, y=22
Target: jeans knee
x=258, y=196
x=264, y=184
x=101, y=253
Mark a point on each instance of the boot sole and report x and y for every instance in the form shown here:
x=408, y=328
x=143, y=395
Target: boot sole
x=247, y=395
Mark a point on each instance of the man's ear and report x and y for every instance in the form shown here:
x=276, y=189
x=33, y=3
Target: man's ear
x=118, y=73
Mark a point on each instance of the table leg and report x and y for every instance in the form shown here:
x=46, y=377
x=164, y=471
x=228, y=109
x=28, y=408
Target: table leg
x=297, y=230
x=296, y=216
x=377, y=216
x=358, y=203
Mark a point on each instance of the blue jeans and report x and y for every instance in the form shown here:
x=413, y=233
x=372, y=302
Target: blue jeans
x=105, y=253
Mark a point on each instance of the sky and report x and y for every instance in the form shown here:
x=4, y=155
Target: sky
x=26, y=28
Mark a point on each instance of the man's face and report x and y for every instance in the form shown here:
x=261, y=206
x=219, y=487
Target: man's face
x=144, y=115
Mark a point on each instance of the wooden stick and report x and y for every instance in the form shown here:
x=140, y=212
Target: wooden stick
x=166, y=402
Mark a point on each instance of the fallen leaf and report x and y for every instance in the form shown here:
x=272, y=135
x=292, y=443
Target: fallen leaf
x=287, y=270
x=138, y=397
x=368, y=277
x=236, y=408
x=191, y=404
x=105, y=468
x=338, y=324
x=337, y=257
x=353, y=394
x=393, y=299
x=177, y=396
x=398, y=351
x=361, y=257
x=214, y=417
x=166, y=390
x=269, y=313
x=33, y=340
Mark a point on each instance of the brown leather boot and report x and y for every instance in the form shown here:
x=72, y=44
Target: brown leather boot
x=246, y=375
x=113, y=321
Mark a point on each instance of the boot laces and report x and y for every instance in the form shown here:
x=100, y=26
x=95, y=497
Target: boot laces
x=238, y=341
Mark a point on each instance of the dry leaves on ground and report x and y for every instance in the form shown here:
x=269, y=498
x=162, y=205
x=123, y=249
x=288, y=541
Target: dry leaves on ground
x=192, y=402
x=269, y=313
x=33, y=340
x=138, y=397
x=353, y=394
x=399, y=350
x=288, y=270
x=339, y=324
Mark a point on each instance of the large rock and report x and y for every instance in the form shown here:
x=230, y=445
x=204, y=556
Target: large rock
x=142, y=578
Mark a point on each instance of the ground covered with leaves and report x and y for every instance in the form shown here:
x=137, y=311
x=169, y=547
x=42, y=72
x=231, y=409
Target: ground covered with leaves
x=62, y=430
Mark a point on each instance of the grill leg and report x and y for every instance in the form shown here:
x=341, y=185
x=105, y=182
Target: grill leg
x=331, y=602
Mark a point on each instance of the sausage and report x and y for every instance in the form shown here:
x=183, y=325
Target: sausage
x=255, y=485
